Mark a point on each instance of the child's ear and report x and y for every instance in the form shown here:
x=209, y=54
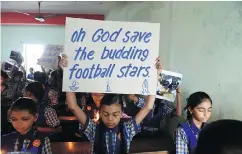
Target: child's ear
x=36, y=117
x=190, y=110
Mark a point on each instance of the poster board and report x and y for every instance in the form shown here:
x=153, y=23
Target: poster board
x=49, y=57
x=111, y=56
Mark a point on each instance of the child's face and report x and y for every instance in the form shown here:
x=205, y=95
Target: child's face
x=111, y=115
x=202, y=112
x=22, y=121
x=97, y=97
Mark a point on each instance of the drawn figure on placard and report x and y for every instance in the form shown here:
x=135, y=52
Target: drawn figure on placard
x=74, y=86
x=108, y=88
x=145, y=87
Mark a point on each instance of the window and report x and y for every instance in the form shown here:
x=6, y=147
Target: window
x=32, y=52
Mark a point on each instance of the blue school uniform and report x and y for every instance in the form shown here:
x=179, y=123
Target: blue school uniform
x=32, y=142
x=186, y=137
x=111, y=138
x=152, y=121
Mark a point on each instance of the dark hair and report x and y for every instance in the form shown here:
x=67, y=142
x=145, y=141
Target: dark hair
x=36, y=89
x=24, y=104
x=108, y=99
x=195, y=99
x=40, y=77
x=4, y=75
x=221, y=137
x=54, y=76
x=18, y=73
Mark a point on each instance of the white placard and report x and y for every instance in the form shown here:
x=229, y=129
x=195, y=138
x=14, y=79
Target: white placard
x=49, y=56
x=110, y=56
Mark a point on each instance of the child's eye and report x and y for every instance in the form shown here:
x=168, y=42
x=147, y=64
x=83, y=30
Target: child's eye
x=12, y=120
x=25, y=119
x=200, y=109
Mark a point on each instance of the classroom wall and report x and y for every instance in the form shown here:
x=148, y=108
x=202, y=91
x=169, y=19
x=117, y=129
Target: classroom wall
x=13, y=37
x=203, y=41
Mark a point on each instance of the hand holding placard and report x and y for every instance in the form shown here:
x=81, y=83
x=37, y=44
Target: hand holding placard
x=63, y=62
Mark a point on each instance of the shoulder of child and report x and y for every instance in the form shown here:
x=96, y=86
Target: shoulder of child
x=179, y=131
x=6, y=136
x=131, y=123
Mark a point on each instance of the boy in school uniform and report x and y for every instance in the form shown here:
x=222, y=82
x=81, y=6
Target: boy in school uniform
x=47, y=121
x=110, y=135
x=22, y=115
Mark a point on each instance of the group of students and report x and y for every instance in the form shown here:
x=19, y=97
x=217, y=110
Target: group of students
x=112, y=134
x=42, y=93
x=32, y=115
x=14, y=80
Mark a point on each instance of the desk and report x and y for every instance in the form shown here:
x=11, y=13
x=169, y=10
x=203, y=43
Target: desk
x=71, y=147
x=158, y=152
x=83, y=148
x=68, y=118
x=70, y=125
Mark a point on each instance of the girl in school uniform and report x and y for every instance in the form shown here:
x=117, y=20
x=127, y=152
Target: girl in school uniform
x=110, y=135
x=199, y=107
x=22, y=115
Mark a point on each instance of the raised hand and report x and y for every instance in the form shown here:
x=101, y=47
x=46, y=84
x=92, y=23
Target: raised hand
x=133, y=97
x=158, y=66
x=63, y=61
x=178, y=90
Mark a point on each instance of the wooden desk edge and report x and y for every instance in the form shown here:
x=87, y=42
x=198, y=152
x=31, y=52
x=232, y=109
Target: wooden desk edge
x=156, y=152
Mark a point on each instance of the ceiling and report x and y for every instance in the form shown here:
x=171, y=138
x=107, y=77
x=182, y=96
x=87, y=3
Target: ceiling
x=68, y=7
